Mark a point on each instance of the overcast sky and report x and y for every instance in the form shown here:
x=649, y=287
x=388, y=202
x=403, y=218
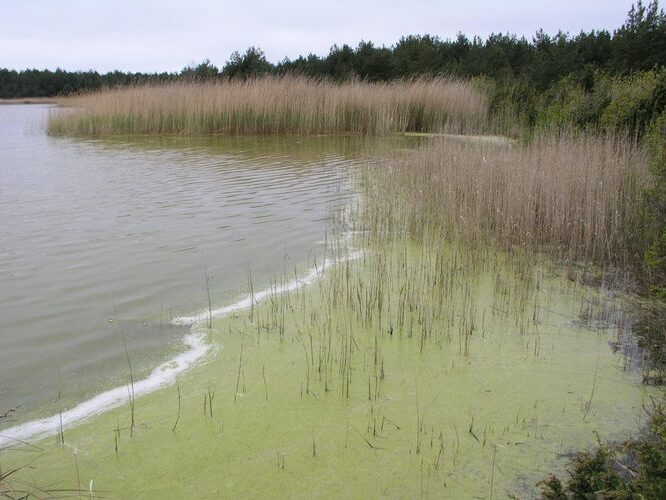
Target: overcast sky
x=166, y=35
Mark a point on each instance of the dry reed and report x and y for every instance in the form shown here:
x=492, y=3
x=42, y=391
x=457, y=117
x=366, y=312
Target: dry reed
x=577, y=195
x=277, y=105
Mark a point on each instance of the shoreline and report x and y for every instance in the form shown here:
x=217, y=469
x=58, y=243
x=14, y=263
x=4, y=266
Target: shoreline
x=500, y=140
x=31, y=100
x=163, y=375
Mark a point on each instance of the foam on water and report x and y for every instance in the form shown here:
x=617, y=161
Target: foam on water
x=163, y=375
x=245, y=303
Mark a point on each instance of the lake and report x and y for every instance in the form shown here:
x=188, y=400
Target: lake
x=106, y=242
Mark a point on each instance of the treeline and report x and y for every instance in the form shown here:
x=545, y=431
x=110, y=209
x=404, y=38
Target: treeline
x=46, y=83
x=638, y=45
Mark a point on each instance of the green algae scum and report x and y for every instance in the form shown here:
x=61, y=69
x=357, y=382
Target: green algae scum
x=411, y=371
x=466, y=330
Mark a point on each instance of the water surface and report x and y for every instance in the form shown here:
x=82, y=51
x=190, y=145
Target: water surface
x=105, y=240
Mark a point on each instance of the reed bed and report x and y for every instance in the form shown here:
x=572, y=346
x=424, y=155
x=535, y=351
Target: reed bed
x=577, y=196
x=277, y=105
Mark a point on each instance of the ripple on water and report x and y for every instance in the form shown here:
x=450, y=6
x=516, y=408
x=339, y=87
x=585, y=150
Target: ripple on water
x=122, y=229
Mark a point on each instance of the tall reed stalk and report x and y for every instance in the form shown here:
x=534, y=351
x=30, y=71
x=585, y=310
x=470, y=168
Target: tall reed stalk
x=578, y=196
x=269, y=105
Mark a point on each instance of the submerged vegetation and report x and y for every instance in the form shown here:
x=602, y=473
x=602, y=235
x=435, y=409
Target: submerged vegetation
x=278, y=105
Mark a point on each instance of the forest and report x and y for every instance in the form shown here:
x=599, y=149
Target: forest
x=540, y=69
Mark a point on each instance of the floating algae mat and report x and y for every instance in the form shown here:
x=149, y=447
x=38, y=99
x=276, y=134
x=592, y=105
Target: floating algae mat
x=414, y=370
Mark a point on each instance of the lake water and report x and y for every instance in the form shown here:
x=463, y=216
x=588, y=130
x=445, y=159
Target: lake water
x=102, y=241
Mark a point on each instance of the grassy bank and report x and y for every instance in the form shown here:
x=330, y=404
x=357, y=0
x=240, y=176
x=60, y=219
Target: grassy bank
x=286, y=105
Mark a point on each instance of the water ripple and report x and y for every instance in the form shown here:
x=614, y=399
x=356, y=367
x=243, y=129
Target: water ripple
x=94, y=231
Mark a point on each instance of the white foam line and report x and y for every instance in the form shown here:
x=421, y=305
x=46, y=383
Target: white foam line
x=246, y=303
x=163, y=375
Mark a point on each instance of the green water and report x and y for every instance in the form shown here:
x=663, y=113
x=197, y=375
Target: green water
x=417, y=370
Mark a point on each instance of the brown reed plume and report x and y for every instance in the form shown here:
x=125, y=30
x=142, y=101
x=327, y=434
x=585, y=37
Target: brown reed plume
x=271, y=105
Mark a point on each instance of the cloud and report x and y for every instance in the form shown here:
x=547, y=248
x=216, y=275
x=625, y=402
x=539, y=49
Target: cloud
x=166, y=35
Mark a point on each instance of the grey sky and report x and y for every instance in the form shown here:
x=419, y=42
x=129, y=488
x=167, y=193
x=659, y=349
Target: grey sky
x=166, y=35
